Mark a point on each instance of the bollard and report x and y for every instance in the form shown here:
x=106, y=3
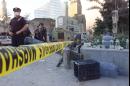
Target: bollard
x=127, y=44
x=67, y=58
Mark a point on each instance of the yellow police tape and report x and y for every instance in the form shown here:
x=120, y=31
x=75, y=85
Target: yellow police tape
x=12, y=59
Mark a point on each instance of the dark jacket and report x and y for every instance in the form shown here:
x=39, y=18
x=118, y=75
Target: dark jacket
x=40, y=33
x=17, y=24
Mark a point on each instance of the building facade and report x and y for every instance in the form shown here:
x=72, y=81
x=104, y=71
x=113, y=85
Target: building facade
x=72, y=24
x=3, y=17
x=75, y=7
x=48, y=23
x=75, y=11
x=67, y=30
x=3, y=9
x=53, y=9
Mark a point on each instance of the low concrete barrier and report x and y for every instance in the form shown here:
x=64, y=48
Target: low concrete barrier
x=117, y=57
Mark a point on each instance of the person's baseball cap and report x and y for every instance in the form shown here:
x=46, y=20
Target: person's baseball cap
x=16, y=9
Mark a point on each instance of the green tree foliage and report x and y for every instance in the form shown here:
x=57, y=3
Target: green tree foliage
x=106, y=11
x=99, y=27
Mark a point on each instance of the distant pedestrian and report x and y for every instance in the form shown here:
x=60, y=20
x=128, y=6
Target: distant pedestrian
x=19, y=28
x=41, y=33
x=77, y=38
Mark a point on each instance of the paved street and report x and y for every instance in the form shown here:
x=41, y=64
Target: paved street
x=47, y=74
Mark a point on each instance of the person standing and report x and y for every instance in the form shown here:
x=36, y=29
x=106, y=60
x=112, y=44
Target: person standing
x=41, y=33
x=19, y=28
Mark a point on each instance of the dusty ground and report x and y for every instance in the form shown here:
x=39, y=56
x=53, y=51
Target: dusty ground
x=47, y=74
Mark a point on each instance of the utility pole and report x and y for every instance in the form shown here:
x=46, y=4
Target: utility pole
x=115, y=18
x=66, y=21
x=66, y=14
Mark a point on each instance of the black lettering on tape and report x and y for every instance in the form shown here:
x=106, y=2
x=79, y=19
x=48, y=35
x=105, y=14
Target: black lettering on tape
x=40, y=49
x=10, y=54
x=21, y=57
x=43, y=51
x=26, y=56
x=47, y=50
x=1, y=63
x=53, y=48
x=22, y=52
x=50, y=49
x=34, y=53
x=14, y=60
x=29, y=54
x=56, y=47
x=59, y=47
x=6, y=57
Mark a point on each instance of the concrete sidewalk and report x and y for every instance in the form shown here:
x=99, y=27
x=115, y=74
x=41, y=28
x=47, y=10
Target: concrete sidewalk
x=47, y=74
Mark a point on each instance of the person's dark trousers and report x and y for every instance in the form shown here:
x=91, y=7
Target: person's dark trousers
x=17, y=40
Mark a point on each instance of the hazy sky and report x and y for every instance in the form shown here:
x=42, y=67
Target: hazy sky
x=91, y=15
x=28, y=7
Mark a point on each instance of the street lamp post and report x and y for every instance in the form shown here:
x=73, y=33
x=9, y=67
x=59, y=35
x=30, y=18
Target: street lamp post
x=115, y=19
x=66, y=14
x=67, y=21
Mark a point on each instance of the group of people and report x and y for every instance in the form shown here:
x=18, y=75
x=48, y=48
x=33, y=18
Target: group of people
x=20, y=33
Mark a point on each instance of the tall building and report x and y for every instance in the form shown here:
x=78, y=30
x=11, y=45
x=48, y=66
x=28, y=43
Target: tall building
x=3, y=17
x=75, y=7
x=3, y=10
x=75, y=11
x=53, y=9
